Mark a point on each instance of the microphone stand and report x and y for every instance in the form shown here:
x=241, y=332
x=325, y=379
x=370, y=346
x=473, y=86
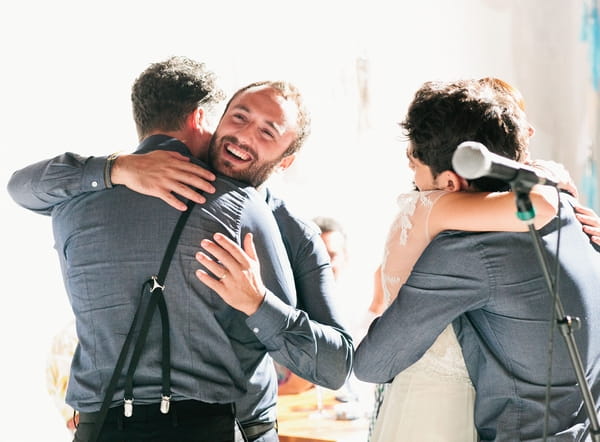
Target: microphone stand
x=566, y=324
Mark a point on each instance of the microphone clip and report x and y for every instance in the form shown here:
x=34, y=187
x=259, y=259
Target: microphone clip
x=525, y=209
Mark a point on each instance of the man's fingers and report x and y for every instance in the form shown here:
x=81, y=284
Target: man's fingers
x=249, y=246
x=223, y=256
x=174, y=202
x=192, y=180
x=206, y=279
x=198, y=171
x=169, y=153
x=186, y=192
x=211, y=265
x=235, y=251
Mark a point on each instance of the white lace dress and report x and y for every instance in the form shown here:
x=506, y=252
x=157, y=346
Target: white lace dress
x=432, y=400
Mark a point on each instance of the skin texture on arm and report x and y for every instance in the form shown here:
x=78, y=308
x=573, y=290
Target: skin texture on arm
x=378, y=300
x=480, y=211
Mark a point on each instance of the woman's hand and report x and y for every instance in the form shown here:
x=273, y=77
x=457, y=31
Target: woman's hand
x=590, y=221
x=557, y=173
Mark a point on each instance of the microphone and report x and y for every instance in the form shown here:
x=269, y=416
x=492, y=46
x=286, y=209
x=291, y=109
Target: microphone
x=473, y=160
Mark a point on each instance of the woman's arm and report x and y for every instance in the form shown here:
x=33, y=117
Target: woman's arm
x=496, y=211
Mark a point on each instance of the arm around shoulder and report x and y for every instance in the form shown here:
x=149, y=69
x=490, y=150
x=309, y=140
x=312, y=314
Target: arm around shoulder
x=42, y=185
x=495, y=211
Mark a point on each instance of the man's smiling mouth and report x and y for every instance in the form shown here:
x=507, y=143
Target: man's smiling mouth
x=238, y=153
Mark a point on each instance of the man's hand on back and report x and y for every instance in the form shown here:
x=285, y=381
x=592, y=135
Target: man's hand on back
x=163, y=174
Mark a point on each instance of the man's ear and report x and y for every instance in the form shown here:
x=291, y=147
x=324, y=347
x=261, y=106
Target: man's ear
x=451, y=181
x=196, y=118
x=286, y=162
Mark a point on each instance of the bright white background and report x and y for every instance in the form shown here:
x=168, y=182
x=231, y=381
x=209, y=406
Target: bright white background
x=67, y=68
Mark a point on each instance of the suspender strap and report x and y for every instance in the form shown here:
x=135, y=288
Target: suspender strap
x=137, y=351
x=155, y=285
x=156, y=298
x=166, y=355
x=112, y=385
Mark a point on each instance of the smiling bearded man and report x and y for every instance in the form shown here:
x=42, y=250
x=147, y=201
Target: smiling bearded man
x=246, y=143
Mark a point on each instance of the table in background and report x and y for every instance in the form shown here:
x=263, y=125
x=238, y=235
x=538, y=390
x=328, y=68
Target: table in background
x=297, y=423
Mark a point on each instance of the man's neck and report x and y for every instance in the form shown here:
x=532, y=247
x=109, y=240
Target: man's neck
x=196, y=143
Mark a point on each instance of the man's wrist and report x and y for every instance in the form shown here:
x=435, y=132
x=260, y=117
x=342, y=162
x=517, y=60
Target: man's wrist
x=108, y=166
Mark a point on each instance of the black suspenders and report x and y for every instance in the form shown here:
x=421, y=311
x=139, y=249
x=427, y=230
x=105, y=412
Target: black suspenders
x=155, y=286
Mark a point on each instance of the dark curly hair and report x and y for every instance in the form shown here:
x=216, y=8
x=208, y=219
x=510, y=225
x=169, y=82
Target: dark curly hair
x=168, y=91
x=444, y=114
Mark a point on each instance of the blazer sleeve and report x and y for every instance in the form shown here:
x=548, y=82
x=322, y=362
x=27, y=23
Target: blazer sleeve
x=444, y=283
x=318, y=352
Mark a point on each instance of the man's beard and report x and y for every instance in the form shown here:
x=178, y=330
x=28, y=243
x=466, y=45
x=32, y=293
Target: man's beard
x=254, y=174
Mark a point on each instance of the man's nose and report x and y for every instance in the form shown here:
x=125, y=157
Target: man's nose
x=247, y=134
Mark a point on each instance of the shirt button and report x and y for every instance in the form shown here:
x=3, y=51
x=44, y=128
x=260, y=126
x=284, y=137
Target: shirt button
x=94, y=183
x=255, y=330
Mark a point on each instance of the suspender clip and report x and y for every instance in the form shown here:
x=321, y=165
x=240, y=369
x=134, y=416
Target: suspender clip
x=156, y=284
x=165, y=404
x=128, y=407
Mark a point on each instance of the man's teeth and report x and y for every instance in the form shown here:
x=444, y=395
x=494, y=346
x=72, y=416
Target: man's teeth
x=238, y=153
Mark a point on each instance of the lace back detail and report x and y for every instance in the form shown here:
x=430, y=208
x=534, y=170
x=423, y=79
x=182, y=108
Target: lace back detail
x=408, y=237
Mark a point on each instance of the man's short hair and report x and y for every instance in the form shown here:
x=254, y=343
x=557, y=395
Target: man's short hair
x=444, y=114
x=168, y=91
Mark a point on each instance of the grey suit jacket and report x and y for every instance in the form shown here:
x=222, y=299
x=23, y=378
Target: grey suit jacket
x=490, y=286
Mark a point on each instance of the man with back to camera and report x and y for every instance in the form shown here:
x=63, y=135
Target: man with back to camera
x=264, y=120
x=490, y=286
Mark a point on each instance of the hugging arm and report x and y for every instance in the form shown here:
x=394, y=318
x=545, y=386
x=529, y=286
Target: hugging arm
x=495, y=211
x=162, y=174
x=317, y=352
x=435, y=294
x=42, y=185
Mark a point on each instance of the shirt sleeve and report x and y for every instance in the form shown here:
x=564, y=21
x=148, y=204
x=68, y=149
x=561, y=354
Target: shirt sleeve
x=41, y=186
x=444, y=283
x=315, y=283
x=318, y=352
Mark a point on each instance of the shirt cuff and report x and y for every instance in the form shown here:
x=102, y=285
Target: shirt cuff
x=93, y=174
x=271, y=318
